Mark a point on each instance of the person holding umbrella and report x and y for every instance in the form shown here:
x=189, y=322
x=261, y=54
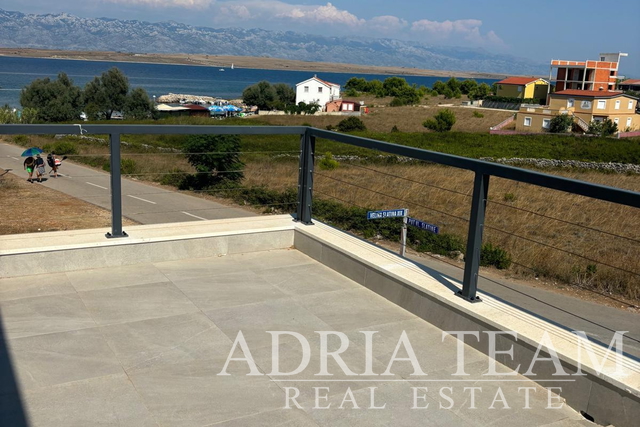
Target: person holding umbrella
x=30, y=164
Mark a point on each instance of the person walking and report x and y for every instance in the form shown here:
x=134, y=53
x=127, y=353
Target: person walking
x=39, y=167
x=53, y=162
x=29, y=165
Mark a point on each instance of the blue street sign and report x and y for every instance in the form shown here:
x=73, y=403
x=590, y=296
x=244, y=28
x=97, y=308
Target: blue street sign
x=395, y=213
x=423, y=225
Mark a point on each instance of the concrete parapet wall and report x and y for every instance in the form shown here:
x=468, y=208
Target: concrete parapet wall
x=87, y=249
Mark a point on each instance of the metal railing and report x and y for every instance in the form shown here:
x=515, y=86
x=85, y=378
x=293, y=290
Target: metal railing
x=482, y=170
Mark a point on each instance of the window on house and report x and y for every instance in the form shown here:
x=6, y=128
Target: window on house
x=630, y=106
x=320, y=89
x=602, y=58
x=585, y=105
x=602, y=104
x=628, y=122
x=519, y=88
x=616, y=120
x=306, y=89
x=570, y=102
x=546, y=123
x=617, y=107
x=527, y=121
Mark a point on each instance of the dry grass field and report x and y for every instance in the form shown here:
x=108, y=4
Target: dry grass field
x=33, y=208
x=548, y=233
x=383, y=118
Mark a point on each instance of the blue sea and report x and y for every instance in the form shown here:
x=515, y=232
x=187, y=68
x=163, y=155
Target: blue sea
x=161, y=79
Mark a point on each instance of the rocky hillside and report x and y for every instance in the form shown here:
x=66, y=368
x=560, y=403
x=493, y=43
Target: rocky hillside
x=68, y=32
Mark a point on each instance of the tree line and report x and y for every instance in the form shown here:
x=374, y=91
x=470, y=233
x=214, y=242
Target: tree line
x=60, y=100
x=406, y=94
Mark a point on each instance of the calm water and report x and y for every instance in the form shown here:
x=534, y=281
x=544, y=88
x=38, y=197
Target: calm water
x=161, y=79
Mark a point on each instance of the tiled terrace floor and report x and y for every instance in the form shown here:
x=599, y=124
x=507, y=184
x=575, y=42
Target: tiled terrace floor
x=143, y=346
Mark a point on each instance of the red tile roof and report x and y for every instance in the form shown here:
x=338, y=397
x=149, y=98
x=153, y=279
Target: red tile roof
x=195, y=107
x=520, y=81
x=589, y=93
x=325, y=82
x=631, y=82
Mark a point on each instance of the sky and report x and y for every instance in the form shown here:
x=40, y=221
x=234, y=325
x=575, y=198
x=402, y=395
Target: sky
x=541, y=30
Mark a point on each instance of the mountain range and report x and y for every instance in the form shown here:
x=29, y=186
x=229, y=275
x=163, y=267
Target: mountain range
x=69, y=32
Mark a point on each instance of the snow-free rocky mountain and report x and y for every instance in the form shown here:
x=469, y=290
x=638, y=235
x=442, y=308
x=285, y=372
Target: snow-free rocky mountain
x=68, y=32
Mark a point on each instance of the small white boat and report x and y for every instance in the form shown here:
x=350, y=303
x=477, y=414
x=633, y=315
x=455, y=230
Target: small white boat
x=232, y=65
x=221, y=69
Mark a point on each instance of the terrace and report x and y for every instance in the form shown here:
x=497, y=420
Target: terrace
x=136, y=329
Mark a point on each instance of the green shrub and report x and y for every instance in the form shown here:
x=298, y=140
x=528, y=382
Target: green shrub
x=509, y=197
x=478, y=114
x=494, y=256
x=22, y=140
x=127, y=166
x=215, y=158
x=328, y=162
x=561, y=123
x=603, y=128
x=174, y=177
x=441, y=122
x=61, y=148
x=441, y=244
x=351, y=124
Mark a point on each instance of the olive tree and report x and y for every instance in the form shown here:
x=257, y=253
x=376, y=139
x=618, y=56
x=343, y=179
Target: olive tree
x=55, y=100
x=106, y=94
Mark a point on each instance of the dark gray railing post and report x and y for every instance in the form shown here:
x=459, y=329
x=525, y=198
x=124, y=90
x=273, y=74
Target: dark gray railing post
x=116, y=188
x=305, y=180
x=474, y=239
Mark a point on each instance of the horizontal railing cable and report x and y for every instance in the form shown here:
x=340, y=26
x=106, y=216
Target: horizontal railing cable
x=561, y=250
x=486, y=226
x=497, y=203
x=211, y=192
x=586, y=227
x=586, y=288
x=214, y=209
x=394, y=197
x=410, y=180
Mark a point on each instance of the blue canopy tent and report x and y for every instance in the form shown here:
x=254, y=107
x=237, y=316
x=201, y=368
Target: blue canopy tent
x=216, y=110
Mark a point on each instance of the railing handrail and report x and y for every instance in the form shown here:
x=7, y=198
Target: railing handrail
x=583, y=188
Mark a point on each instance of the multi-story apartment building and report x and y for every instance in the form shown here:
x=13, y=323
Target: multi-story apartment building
x=585, y=105
x=586, y=75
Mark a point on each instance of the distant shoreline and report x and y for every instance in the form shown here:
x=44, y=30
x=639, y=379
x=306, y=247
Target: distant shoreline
x=219, y=61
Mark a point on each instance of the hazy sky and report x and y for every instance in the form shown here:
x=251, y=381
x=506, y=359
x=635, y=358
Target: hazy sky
x=539, y=30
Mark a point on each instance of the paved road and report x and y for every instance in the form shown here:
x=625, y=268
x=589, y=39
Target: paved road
x=151, y=205
x=141, y=202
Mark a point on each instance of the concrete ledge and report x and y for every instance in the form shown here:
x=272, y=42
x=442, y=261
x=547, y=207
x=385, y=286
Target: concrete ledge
x=607, y=395
x=86, y=249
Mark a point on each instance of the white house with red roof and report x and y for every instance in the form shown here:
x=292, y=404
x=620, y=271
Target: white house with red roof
x=315, y=90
